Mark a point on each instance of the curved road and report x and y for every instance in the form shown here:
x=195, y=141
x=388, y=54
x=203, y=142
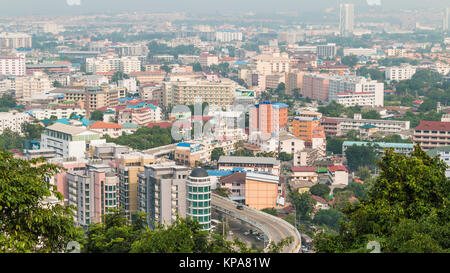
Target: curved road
x=276, y=228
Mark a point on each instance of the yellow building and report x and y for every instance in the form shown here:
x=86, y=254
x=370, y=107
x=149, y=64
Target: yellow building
x=262, y=191
x=129, y=167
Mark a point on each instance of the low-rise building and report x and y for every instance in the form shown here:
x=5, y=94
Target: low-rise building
x=249, y=164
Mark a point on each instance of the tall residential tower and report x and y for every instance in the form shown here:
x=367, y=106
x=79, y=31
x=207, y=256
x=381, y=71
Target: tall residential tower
x=346, y=19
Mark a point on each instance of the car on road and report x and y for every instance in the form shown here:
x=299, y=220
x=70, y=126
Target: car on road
x=240, y=207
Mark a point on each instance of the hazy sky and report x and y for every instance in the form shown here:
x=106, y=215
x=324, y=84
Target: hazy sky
x=48, y=7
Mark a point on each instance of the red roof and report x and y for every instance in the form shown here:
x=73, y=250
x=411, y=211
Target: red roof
x=319, y=199
x=162, y=125
x=433, y=125
x=105, y=125
x=304, y=169
x=334, y=168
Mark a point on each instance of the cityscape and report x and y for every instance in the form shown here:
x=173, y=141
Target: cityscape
x=224, y=127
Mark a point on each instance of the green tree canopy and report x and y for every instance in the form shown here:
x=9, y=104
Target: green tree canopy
x=407, y=209
x=27, y=222
x=321, y=190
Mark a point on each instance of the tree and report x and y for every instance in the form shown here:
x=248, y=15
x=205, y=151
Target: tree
x=334, y=145
x=197, y=67
x=10, y=140
x=364, y=173
x=185, y=236
x=283, y=156
x=321, y=190
x=96, y=115
x=328, y=217
x=303, y=203
x=216, y=153
x=114, y=234
x=7, y=102
x=223, y=191
x=32, y=130
x=406, y=209
x=57, y=84
x=372, y=114
x=27, y=222
x=360, y=156
x=271, y=211
x=350, y=60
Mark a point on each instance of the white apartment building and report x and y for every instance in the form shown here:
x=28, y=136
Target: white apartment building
x=15, y=40
x=219, y=93
x=267, y=64
x=356, y=85
x=207, y=59
x=12, y=65
x=228, y=36
x=360, y=51
x=13, y=121
x=69, y=141
x=59, y=113
x=346, y=19
x=352, y=99
x=129, y=84
x=441, y=68
x=28, y=86
x=130, y=64
x=95, y=80
x=400, y=73
x=6, y=84
x=386, y=126
x=105, y=64
x=326, y=51
x=396, y=51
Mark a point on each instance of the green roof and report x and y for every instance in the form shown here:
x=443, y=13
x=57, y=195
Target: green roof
x=367, y=126
x=434, y=152
x=322, y=170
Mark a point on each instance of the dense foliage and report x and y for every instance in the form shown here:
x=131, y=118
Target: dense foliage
x=145, y=138
x=27, y=222
x=407, y=209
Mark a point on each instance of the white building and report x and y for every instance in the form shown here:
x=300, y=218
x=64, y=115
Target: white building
x=129, y=84
x=346, y=19
x=360, y=51
x=95, y=80
x=441, y=68
x=359, y=86
x=28, y=86
x=12, y=65
x=400, y=73
x=13, y=121
x=207, y=59
x=59, y=113
x=228, y=36
x=326, y=51
x=267, y=64
x=396, y=51
x=69, y=141
x=15, y=40
x=130, y=64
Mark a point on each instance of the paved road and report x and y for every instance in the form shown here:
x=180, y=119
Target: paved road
x=276, y=228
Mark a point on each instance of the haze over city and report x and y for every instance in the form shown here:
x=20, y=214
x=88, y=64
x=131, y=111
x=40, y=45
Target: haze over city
x=231, y=126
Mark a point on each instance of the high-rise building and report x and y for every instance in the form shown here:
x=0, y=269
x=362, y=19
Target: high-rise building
x=93, y=191
x=446, y=19
x=326, y=51
x=199, y=197
x=15, y=40
x=162, y=192
x=129, y=167
x=267, y=118
x=346, y=19
x=12, y=65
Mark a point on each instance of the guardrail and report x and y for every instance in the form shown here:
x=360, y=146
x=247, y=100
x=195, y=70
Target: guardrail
x=249, y=221
x=281, y=221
